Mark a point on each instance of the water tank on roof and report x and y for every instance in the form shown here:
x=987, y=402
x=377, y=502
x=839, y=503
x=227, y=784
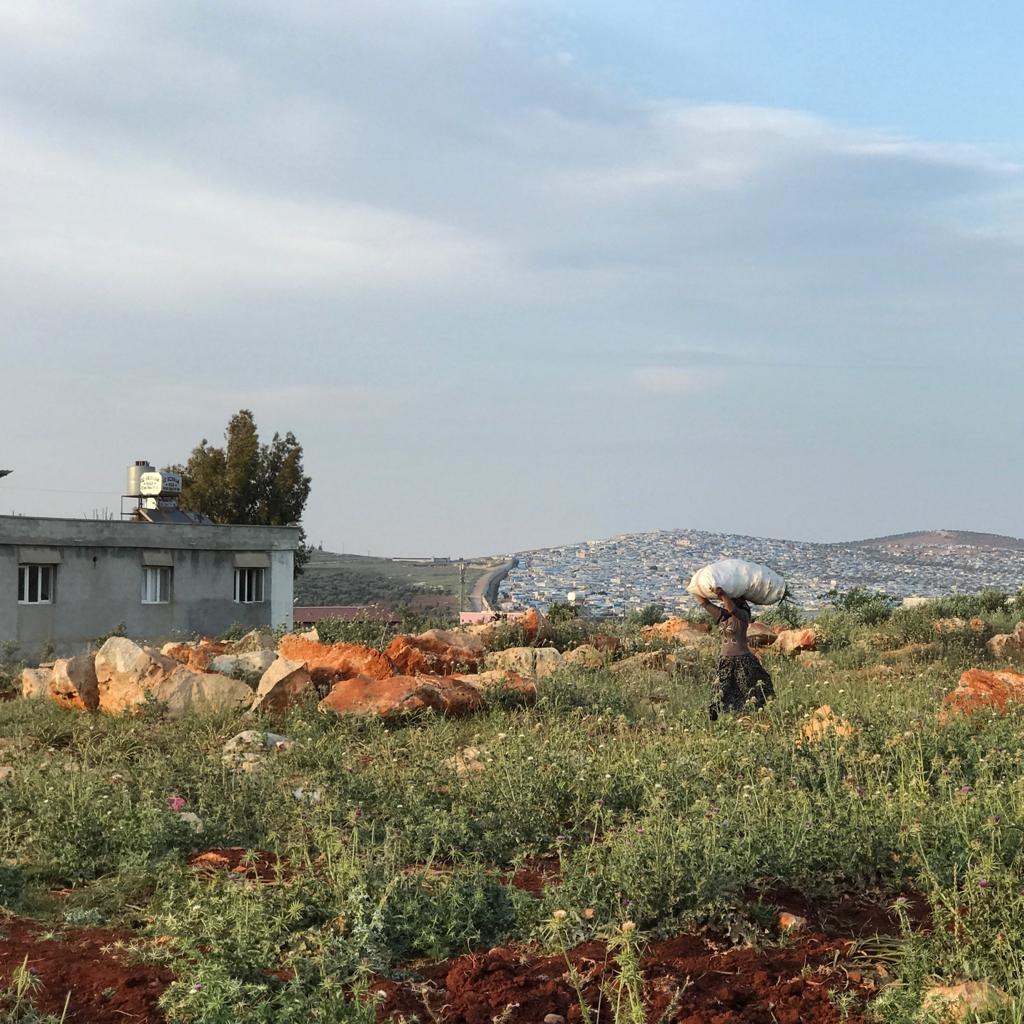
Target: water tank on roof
x=135, y=474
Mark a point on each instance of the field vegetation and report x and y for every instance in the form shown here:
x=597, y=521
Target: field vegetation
x=610, y=818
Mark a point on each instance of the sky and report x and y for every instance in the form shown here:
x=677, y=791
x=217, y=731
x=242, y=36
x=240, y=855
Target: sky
x=520, y=273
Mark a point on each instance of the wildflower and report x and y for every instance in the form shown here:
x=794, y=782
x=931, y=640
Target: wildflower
x=588, y=913
x=197, y=987
x=177, y=803
x=983, y=883
x=628, y=927
x=965, y=789
x=559, y=915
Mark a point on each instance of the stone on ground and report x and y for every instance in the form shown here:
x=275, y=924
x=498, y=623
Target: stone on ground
x=678, y=631
x=126, y=672
x=35, y=682
x=585, y=656
x=436, y=652
x=824, y=723
x=529, y=662
x=256, y=640
x=400, y=695
x=981, y=690
x=792, y=641
x=1008, y=646
x=330, y=663
x=74, y=685
x=248, y=663
x=285, y=684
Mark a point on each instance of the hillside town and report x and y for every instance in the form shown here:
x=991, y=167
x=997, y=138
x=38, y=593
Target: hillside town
x=629, y=571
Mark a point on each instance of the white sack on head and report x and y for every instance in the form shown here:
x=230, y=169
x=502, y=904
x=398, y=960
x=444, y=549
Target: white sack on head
x=756, y=583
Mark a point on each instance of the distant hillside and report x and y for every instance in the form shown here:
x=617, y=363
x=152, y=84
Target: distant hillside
x=943, y=538
x=330, y=578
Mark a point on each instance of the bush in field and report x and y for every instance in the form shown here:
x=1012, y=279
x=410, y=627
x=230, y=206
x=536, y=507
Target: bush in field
x=368, y=632
x=649, y=615
x=786, y=613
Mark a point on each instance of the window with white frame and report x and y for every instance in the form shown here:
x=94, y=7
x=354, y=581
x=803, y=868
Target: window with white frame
x=249, y=586
x=35, y=584
x=156, y=584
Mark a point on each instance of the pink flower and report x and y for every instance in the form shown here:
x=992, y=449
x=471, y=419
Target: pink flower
x=177, y=803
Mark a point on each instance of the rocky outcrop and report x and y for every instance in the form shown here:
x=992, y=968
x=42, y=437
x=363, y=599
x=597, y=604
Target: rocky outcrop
x=677, y=631
x=285, y=684
x=74, y=685
x=1008, y=646
x=792, y=641
x=508, y=683
x=436, y=652
x=331, y=663
x=403, y=695
x=980, y=690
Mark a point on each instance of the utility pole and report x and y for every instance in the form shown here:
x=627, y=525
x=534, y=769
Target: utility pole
x=462, y=586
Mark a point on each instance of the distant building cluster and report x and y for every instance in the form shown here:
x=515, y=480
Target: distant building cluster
x=623, y=573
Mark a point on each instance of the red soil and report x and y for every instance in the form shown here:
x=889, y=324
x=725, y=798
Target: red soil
x=104, y=988
x=789, y=985
x=238, y=862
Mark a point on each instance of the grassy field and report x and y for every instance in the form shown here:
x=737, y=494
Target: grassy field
x=333, y=579
x=597, y=827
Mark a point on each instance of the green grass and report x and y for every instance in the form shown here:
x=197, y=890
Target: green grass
x=656, y=816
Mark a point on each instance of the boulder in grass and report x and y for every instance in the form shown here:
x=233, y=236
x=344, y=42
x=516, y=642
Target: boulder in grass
x=35, y=682
x=678, y=631
x=74, y=685
x=402, y=695
x=585, y=656
x=508, y=683
x=185, y=692
x=195, y=654
x=759, y=635
x=965, y=1001
x=981, y=690
x=529, y=662
x=436, y=652
x=285, y=684
x=646, y=661
x=248, y=750
x=126, y=673
x=249, y=663
x=1008, y=646
x=824, y=724
x=330, y=663
x=792, y=641
x=261, y=639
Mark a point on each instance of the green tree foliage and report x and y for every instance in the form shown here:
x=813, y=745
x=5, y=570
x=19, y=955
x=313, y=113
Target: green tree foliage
x=247, y=481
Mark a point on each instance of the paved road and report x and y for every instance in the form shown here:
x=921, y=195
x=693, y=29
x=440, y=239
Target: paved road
x=485, y=589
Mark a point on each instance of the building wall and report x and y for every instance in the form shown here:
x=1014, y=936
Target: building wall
x=99, y=580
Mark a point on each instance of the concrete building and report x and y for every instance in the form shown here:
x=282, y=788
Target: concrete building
x=64, y=582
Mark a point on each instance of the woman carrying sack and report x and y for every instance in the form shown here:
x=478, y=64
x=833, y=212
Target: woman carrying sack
x=741, y=677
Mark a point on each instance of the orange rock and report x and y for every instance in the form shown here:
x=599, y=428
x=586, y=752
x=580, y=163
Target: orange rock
x=195, y=655
x=976, y=625
x=508, y=682
x=399, y=695
x=606, y=644
x=74, y=685
x=791, y=922
x=530, y=622
x=330, y=663
x=680, y=631
x=982, y=690
x=824, y=722
x=435, y=653
x=792, y=641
